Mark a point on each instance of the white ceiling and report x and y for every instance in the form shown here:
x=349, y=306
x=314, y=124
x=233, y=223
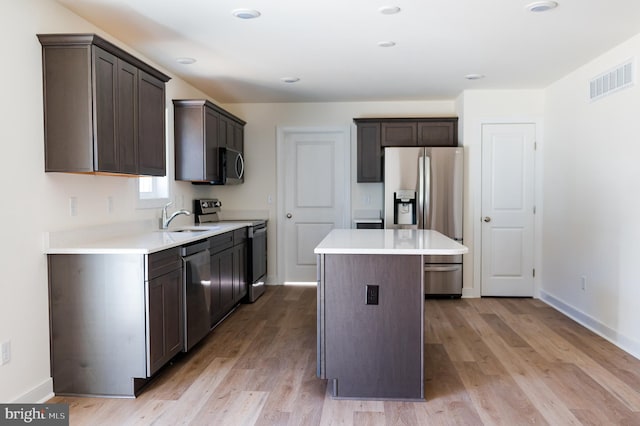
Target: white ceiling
x=332, y=45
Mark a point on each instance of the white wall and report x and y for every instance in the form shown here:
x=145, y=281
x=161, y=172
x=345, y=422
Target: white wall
x=592, y=201
x=475, y=108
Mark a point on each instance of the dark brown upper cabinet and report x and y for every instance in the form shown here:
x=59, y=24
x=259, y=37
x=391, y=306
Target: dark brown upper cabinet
x=231, y=133
x=201, y=127
x=369, y=152
x=399, y=133
x=374, y=134
x=103, y=108
x=438, y=132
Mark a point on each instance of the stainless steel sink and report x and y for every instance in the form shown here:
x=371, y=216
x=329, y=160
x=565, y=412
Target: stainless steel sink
x=189, y=230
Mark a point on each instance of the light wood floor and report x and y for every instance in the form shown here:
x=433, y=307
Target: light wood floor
x=487, y=361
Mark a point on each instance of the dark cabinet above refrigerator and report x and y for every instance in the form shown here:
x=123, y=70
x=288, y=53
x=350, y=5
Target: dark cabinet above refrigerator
x=374, y=134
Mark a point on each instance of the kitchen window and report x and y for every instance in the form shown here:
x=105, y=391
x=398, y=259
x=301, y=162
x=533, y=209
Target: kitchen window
x=153, y=191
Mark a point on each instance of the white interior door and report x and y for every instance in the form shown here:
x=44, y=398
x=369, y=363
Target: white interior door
x=508, y=209
x=315, y=195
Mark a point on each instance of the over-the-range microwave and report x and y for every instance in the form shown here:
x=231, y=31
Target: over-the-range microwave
x=231, y=165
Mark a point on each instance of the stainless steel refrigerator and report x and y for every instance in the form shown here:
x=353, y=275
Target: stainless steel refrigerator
x=423, y=190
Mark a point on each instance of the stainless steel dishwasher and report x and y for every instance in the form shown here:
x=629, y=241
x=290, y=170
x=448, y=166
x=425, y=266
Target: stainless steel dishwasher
x=196, y=293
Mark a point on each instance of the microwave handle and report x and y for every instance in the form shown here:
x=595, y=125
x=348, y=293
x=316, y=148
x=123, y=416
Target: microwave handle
x=240, y=170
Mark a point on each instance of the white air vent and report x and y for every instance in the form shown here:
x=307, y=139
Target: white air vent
x=613, y=80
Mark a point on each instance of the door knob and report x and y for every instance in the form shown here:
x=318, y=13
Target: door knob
x=487, y=219
x=289, y=215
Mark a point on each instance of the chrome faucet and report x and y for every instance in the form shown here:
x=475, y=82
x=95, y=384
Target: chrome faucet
x=165, y=221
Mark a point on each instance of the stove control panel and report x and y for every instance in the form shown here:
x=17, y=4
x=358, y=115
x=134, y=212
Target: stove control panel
x=207, y=206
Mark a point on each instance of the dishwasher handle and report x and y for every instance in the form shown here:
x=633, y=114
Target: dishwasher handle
x=442, y=268
x=198, y=246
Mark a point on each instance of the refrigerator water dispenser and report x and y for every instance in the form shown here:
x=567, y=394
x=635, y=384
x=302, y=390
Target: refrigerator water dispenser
x=404, y=207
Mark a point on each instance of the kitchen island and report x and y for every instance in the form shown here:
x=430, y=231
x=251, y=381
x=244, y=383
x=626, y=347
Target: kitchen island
x=371, y=310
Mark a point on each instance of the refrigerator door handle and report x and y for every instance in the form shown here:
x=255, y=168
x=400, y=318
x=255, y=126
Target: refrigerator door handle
x=442, y=268
x=420, y=192
x=427, y=193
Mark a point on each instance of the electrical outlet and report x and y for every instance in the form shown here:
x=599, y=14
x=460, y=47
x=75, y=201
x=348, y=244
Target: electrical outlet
x=372, y=295
x=110, y=204
x=73, y=206
x=583, y=283
x=5, y=352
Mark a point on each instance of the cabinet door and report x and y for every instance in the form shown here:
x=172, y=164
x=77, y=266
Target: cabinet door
x=223, y=138
x=437, y=133
x=126, y=124
x=216, y=301
x=104, y=111
x=226, y=280
x=238, y=136
x=401, y=133
x=239, y=272
x=165, y=319
x=151, y=133
x=369, y=153
x=212, y=125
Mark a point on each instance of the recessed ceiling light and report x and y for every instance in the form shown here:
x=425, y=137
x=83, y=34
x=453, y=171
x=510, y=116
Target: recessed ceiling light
x=541, y=6
x=474, y=76
x=290, y=79
x=386, y=43
x=185, y=61
x=245, y=13
x=389, y=10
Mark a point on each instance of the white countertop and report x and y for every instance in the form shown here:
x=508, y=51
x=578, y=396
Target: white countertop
x=388, y=241
x=133, y=239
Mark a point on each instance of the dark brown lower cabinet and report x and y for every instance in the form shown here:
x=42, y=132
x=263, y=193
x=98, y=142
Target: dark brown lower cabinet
x=165, y=319
x=239, y=264
x=115, y=320
x=225, y=260
x=228, y=272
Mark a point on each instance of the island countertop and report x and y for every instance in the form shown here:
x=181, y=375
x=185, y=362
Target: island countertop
x=389, y=241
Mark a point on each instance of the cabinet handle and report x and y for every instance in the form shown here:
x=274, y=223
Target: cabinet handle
x=487, y=219
x=289, y=215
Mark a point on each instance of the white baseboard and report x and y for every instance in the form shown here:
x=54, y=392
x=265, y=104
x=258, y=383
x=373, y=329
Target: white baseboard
x=39, y=394
x=623, y=342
